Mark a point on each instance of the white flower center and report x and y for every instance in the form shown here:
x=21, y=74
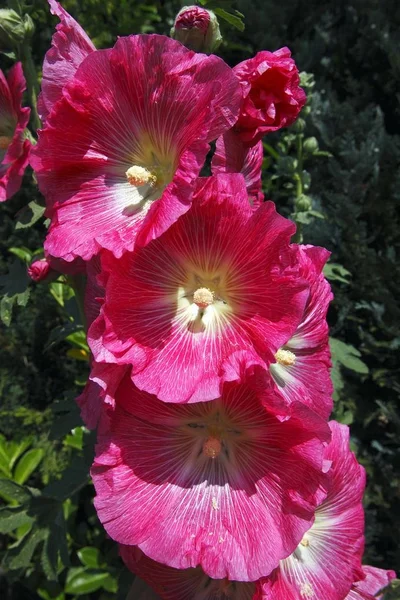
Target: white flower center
x=203, y=297
x=139, y=176
x=285, y=357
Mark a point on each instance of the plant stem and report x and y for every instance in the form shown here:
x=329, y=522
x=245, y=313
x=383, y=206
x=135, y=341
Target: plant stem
x=31, y=83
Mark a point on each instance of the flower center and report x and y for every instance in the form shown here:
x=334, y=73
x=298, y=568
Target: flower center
x=305, y=542
x=203, y=297
x=285, y=357
x=5, y=141
x=212, y=447
x=139, y=176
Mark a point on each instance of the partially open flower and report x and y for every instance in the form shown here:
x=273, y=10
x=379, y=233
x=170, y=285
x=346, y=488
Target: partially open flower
x=226, y=485
x=14, y=147
x=302, y=368
x=328, y=559
x=197, y=28
x=272, y=95
x=369, y=588
x=121, y=148
x=222, y=280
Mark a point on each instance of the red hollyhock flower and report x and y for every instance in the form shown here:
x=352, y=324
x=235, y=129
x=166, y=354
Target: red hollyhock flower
x=328, y=559
x=272, y=95
x=222, y=281
x=69, y=46
x=14, y=148
x=232, y=156
x=121, y=148
x=183, y=584
x=226, y=485
x=302, y=368
x=369, y=588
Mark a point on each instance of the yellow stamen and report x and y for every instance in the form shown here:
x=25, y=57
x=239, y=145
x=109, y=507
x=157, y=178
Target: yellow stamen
x=5, y=142
x=305, y=542
x=203, y=297
x=138, y=176
x=285, y=357
x=212, y=447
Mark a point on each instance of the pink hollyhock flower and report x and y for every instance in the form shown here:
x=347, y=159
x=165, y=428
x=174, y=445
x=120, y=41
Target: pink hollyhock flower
x=40, y=270
x=226, y=485
x=369, y=588
x=328, y=559
x=222, y=280
x=121, y=148
x=183, y=584
x=14, y=148
x=232, y=156
x=69, y=46
x=272, y=95
x=302, y=368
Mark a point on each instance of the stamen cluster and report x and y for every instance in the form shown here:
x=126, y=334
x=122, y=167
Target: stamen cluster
x=216, y=468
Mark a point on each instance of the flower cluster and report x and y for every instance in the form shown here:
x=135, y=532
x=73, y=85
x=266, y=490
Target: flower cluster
x=216, y=468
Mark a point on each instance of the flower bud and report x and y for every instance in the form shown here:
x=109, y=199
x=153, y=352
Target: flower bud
x=40, y=270
x=311, y=145
x=303, y=203
x=299, y=125
x=197, y=28
x=12, y=30
x=29, y=26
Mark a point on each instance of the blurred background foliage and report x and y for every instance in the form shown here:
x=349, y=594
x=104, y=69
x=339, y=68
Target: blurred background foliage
x=336, y=172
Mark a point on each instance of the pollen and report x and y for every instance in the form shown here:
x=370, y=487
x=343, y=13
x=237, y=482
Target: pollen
x=306, y=590
x=138, y=176
x=285, y=357
x=4, y=142
x=305, y=542
x=203, y=297
x=212, y=447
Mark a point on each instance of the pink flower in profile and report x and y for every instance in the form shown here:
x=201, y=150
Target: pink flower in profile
x=232, y=156
x=69, y=46
x=369, y=588
x=302, y=368
x=328, y=559
x=226, y=485
x=14, y=147
x=183, y=584
x=121, y=148
x=272, y=95
x=221, y=281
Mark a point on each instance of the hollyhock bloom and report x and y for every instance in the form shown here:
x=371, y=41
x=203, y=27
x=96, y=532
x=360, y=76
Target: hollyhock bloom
x=226, y=485
x=302, y=368
x=121, y=148
x=14, y=148
x=272, y=95
x=232, y=156
x=369, y=588
x=197, y=28
x=222, y=280
x=69, y=46
x=40, y=270
x=183, y=584
x=328, y=559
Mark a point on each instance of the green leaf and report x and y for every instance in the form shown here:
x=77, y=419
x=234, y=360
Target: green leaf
x=12, y=517
x=5, y=466
x=60, y=333
x=14, y=288
x=9, y=490
x=336, y=272
x=23, y=253
x=348, y=356
x=55, y=548
x=16, y=449
x=233, y=19
x=75, y=439
x=29, y=215
x=90, y=557
x=27, y=464
x=84, y=581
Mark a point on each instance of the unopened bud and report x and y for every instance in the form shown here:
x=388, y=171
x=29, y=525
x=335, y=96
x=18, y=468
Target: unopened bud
x=310, y=145
x=40, y=270
x=12, y=30
x=197, y=28
x=303, y=203
x=299, y=125
x=29, y=26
